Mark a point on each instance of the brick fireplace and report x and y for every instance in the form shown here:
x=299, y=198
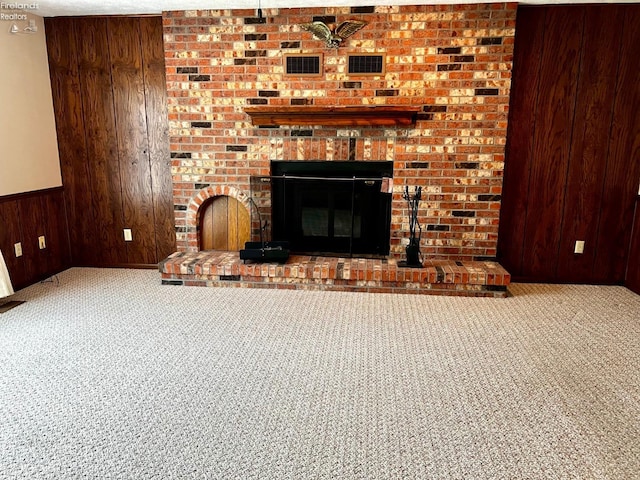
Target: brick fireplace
x=451, y=64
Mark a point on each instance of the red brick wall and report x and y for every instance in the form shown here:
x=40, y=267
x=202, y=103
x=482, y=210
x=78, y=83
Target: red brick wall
x=453, y=61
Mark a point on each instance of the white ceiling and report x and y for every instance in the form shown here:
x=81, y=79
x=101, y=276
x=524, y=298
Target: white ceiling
x=54, y=8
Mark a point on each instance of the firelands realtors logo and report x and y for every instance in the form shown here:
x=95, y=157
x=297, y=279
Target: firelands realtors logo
x=7, y=10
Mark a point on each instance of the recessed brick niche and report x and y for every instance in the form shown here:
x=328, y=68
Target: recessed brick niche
x=452, y=62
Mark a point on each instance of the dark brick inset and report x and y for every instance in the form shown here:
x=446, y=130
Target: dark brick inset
x=199, y=78
x=438, y=228
x=464, y=58
x=268, y=93
x=244, y=61
x=418, y=165
x=491, y=41
x=495, y=288
x=446, y=67
x=255, y=53
x=172, y=282
x=301, y=133
x=458, y=263
x=187, y=70
x=449, y=50
x=180, y=154
x=289, y=44
x=463, y=213
x=230, y=278
x=254, y=20
x=387, y=93
x=324, y=18
x=200, y=186
x=179, y=208
x=424, y=116
x=489, y=198
x=467, y=165
x=200, y=124
x=370, y=9
x=484, y=259
x=257, y=101
x=236, y=148
x=435, y=108
x=351, y=84
x=486, y=91
x=352, y=149
x=301, y=101
x=250, y=37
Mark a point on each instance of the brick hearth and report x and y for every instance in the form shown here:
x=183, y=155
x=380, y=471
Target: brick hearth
x=300, y=272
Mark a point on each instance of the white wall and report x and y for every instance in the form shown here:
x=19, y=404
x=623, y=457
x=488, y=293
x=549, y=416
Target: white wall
x=28, y=143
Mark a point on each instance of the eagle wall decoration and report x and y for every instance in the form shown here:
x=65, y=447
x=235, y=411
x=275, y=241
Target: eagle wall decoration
x=333, y=39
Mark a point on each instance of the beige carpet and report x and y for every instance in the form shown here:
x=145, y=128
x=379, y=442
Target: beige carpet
x=111, y=375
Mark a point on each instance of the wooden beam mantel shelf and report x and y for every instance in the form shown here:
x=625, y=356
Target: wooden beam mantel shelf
x=361, y=116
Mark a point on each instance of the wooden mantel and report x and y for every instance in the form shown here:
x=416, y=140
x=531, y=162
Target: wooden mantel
x=360, y=116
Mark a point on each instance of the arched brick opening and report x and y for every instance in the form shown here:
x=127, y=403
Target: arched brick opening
x=194, y=209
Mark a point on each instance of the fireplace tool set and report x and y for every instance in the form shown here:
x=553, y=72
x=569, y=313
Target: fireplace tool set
x=413, y=248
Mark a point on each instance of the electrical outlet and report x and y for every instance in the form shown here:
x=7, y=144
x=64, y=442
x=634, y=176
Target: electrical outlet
x=127, y=235
x=18, y=248
x=579, y=248
x=41, y=243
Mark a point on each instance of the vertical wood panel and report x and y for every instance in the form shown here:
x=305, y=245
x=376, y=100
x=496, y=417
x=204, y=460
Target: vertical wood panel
x=206, y=228
x=102, y=145
x=65, y=87
x=32, y=223
x=522, y=114
x=244, y=226
x=56, y=232
x=220, y=221
x=554, y=120
x=589, y=142
x=10, y=234
x=133, y=148
x=623, y=166
x=158, y=133
x=232, y=222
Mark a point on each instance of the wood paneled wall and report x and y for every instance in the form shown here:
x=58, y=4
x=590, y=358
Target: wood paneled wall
x=25, y=217
x=109, y=93
x=572, y=164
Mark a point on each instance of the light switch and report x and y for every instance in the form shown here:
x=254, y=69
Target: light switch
x=41, y=242
x=127, y=235
x=579, y=248
x=18, y=248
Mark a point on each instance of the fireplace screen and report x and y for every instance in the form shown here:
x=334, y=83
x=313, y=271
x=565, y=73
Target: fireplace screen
x=328, y=208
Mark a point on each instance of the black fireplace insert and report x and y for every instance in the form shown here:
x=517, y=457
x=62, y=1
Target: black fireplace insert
x=324, y=207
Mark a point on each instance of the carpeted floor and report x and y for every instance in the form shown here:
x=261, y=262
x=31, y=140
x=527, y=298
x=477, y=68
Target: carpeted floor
x=111, y=375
